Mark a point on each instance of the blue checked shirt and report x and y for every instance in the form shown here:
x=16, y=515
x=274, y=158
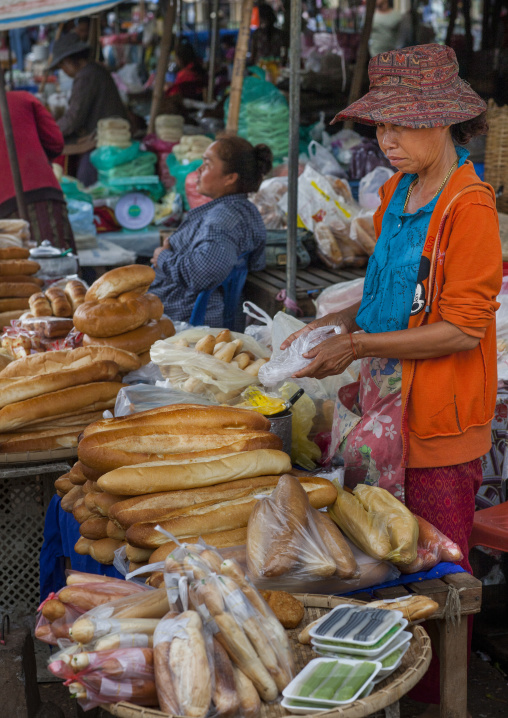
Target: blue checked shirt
x=204, y=250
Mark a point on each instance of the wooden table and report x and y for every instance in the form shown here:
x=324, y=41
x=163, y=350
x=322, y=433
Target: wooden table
x=450, y=639
x=262, y=287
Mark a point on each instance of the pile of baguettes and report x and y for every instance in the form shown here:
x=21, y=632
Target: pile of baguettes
x=118, y=312
x=17, y=282
x=195, y=470
x=47, y=399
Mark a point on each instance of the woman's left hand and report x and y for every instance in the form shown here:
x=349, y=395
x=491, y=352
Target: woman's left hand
x=331, y=357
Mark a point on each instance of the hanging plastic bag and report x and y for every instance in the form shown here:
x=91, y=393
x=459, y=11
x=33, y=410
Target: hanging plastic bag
x=369, y=187
x=363, y=232
x=323, y=161
x=338, y=297
x=261, y=333
x=291, y=359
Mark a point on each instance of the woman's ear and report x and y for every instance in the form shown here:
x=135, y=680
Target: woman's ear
x=231, y=179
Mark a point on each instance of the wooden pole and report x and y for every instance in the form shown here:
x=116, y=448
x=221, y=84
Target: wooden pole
x=11, y=150
x=50, y=58
x=162, y=63
x=242, y=46
x=362, y=57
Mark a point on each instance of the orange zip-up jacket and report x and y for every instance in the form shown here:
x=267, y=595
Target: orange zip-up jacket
x=448, y=403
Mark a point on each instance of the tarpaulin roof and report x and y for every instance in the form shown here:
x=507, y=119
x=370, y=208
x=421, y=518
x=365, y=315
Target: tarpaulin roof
x=22, y=13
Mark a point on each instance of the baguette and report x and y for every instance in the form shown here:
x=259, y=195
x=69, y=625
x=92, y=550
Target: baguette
x=225, y=696
x=53, y=609
x=336, y=545
x=84, y=630
x=20, y=389
x=52, y=404
x=76, y=475
x=62, y=438
x=82, y=546
x=225, y=514
x=177, y=473
x=80, y=511
x=110, y=317
x=115, y=532
x=18, y=289
x=166, y=694
x=48, y=362
x=189, y=667
x=101, y=502
x=250, y=703
x=18, y=266
x=120, y=280
x=137, y=341
x=23, y=278
x=59, y=419
x=70, y=499
x=154, y=446
x=103, y=550
x=157, y=507
x=94, y=528
x=137, y=555
x=13, y=252
x=219, y=539
x=10, y=305
x=415, y=608
x=80, y=420
x=7, y=317
x=63, y=484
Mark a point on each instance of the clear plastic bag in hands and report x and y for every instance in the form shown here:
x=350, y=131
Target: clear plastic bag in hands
x=291, y=360
x=433, y=547
x=288, y=539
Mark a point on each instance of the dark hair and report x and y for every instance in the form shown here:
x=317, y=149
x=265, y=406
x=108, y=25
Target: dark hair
x=267, y=14
x=463, y=132
x=186, y=53
x=77, y=56
x=250, y=163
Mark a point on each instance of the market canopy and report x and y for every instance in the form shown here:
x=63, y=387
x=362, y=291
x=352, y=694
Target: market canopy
x=23, y=13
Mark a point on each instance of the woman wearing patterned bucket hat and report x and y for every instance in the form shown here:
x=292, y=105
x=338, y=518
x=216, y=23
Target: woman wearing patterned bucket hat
x=427, y=388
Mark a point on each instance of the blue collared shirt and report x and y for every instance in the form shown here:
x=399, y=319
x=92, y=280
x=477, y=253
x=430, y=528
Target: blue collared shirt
x=392, y=272
x=203, y=252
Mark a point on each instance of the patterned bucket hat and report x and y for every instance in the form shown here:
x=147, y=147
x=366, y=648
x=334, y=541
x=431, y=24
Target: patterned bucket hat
x=416, y=87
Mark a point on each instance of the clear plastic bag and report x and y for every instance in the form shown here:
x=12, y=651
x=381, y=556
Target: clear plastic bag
x=323, y=161
x=141, y=397
x=183, y=673
x=377, y=522
x=291, y=360
x=262, y=332
x=208, y=374
x=266, y=200
x=55, y=619
x=433, y=547
x=363, y=232
x=304, y=452
x=368, y=194
x=339, y=297
x=288, y=539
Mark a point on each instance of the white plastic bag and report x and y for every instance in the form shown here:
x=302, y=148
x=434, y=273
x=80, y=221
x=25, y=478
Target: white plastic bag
x=339, y=296
x=261, y=333
x=291, y=360
x=362, y=231
x=323, y=161
x=369, y=187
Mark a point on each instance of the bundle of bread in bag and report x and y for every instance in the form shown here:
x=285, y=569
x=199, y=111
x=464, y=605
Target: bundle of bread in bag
x=47, y=400
x=118, y=312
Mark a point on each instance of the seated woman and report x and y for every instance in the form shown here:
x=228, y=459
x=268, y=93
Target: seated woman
x=191, y=78
x=204, y=250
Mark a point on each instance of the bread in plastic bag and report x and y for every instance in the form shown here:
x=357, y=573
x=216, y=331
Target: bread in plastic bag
x=377, y=522
x=266, y=200
x=182, y=669
x=433, y=547
x=291, y=360
x=287, y=537
x=188, y=361
x=142, y=397
x=363, y=232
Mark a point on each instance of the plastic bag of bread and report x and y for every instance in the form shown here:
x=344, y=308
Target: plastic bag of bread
x=183, y=671
x=288, y=539
x=55, y=619
x=376, y=522
x=362, y=231
x=95, y=678
x=328, y=247
x=216, y=363
x=433, y=547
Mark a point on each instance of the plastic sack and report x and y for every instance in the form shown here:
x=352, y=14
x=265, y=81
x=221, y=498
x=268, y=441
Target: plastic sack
x=369, y=187
x=363, y=232
x=266, y=200
x=202, y=373
x=287, y=538
x=433, y=547
x=291, y=360
x=143, y=165
x=107, y=157
x=180, y=172
x=261, y=333
x=81, y=217
x=338, y=297
x=183, y=673
x=142, y=397
x=323, y=161
x=377, y=522
x=62, y=617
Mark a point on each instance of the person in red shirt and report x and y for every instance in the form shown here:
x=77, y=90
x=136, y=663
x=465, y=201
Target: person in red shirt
x=38, y=140
x=191, y=78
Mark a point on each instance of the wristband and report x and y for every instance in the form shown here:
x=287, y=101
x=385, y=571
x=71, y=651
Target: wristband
x=355, y=355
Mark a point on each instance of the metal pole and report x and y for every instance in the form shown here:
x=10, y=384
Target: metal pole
x=213, y=50
x=11, y=150
x=294, y=140
x=162, y=63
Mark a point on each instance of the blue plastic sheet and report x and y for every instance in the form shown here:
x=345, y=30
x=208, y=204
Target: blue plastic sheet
x=61, y=531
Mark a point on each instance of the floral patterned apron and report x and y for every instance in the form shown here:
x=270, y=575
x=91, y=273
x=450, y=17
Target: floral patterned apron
x=366, y=427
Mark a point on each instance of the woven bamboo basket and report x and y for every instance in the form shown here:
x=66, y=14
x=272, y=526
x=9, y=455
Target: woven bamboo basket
x=414, y=665
x=496, y=153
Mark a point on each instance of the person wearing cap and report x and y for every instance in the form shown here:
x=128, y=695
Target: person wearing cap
x=94, y=96
x=425, y=330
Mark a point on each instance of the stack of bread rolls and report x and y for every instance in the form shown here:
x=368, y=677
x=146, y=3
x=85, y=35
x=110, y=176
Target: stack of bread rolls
x=159, y=465
x=17, y=282
x=118, y=312
x=47, y=399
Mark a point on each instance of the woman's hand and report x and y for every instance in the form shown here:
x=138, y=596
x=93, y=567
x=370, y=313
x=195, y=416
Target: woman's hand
x=331, y=357
x=346, y=320
x=158, y=250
